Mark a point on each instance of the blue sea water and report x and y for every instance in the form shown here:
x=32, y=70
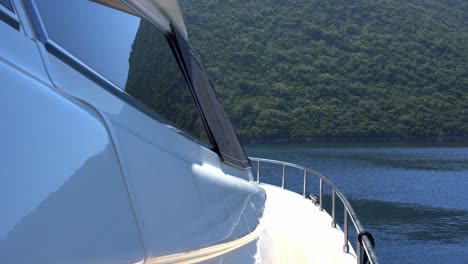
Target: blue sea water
x=413, y=197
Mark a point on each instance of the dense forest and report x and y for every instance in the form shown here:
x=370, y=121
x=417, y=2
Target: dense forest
x=299, y=69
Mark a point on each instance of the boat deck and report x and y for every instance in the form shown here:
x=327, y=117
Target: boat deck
x=296, y=231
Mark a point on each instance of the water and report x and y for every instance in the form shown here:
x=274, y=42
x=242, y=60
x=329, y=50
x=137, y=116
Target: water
x=412, y=197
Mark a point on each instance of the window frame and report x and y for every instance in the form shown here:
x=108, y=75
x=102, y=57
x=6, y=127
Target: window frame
x=10, y=17
x=228, y=146
x=88, y=72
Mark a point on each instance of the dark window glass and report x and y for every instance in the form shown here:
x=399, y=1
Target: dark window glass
x=7, y=4
x=127, y=50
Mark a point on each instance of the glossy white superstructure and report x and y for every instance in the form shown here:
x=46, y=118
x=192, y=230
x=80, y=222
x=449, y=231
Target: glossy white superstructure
x=86, y=177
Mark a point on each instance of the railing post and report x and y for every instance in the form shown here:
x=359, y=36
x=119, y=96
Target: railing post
x=358, y=252
x=305, y=183
x=345, y=224
x=333, y=209
x=258, y=171
x=321, y=194
x=282, y=179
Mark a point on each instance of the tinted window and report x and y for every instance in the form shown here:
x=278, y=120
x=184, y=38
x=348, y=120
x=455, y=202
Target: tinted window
x=128, y=51
x=7, y=4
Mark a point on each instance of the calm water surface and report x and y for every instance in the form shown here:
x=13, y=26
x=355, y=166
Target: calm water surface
x=412, y=197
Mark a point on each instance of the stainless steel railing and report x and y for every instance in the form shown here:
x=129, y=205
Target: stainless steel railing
x=364, y=239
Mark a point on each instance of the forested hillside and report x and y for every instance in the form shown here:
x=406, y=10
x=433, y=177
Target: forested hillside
x=298, y=69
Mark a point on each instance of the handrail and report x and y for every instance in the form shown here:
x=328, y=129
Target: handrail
x=364, y=238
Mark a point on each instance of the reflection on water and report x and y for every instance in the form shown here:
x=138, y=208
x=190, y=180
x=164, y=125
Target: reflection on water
x=397, y=158
x=411, y=197
x=413, y=221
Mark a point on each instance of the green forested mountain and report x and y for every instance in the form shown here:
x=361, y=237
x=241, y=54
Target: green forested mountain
x=295, y=69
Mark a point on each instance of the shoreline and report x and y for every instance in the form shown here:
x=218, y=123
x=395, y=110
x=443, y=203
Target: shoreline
x=359, y=140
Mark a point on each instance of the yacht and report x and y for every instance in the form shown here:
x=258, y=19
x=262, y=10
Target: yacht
x=116, y=149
